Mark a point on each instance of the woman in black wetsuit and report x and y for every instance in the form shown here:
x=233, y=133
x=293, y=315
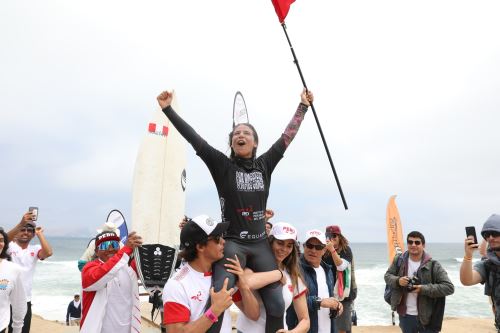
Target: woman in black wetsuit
x=242, y=182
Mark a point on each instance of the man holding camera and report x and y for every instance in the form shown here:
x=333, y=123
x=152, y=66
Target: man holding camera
x=27, y=255
x=419, y=285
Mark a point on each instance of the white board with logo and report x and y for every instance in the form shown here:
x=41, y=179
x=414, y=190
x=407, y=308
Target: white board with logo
x=158, y=197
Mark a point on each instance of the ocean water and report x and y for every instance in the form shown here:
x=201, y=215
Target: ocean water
x=57, y=279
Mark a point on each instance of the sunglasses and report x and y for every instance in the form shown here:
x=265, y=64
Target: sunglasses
x=411, y=242
x=331, y=236
x=216, y=238
x=115, y=245
x=318, y=247
x=494, y=234
x=32, y=230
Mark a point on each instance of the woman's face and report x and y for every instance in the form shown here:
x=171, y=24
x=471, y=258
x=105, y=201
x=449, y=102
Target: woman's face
x=334, y=238
x=282, y=248
x=243, y=141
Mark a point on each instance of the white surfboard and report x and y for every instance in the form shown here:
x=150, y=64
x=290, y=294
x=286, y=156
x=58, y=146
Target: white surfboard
x=158, y=196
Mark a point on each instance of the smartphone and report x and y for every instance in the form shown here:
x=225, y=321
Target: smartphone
x=471, y=231
x=34, y=211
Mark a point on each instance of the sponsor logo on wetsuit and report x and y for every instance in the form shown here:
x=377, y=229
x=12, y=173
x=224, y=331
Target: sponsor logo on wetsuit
x=246, y=235
x=249, y=182
x=246, y=213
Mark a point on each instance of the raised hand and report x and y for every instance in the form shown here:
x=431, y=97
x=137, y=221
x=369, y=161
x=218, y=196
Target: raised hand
x=469, y=246
x=27, y=217
x=165, y=98
x=306, y=97
x=268, y=214
x=134, y=240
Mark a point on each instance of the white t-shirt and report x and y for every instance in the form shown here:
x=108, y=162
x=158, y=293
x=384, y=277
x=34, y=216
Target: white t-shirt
x=118, y=314
x=185, y=296
x=246, y=325
x=411, y=299
x=11, y=293
x=27, y=259
x=324, y=321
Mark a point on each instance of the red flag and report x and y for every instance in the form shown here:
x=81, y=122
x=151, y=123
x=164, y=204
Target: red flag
x=281, y=7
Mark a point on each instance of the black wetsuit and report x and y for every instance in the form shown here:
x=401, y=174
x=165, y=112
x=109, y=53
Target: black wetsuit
x=243, y=189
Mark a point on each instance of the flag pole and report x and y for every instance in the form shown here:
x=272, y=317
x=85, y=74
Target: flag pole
x=316, y=118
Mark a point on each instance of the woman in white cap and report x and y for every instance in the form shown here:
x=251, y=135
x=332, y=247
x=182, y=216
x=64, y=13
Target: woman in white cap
x=282, y=239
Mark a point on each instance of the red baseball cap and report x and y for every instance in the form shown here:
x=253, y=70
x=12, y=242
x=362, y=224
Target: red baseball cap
x=333, y=229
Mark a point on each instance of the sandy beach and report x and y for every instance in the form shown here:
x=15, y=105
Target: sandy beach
x=450, y=325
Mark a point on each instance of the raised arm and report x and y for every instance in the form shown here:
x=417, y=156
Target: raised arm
x=165, y=102
x=27, y=217
x=306, y=98
x=46, y=250
x=469, y=276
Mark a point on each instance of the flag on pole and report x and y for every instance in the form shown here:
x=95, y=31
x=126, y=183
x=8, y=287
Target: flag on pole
x=282, y=7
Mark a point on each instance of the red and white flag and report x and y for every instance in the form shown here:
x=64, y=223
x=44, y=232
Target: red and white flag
x=159, y=130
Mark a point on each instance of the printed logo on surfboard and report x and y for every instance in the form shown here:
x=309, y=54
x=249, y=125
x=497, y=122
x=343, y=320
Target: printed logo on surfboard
x=158, y=130
x=183, y=180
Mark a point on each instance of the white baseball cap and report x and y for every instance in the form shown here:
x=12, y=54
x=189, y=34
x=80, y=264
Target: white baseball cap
x=199, y=228
x=283, y=231
x=315, y=233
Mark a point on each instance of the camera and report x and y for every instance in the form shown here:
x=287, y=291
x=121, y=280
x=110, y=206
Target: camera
x=414, y=281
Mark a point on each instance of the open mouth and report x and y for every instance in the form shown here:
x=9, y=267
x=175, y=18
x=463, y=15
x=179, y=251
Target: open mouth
x=240, y=142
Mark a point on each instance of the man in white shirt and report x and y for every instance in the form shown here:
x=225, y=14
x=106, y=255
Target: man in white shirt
x=187, y=291
x=26, y=255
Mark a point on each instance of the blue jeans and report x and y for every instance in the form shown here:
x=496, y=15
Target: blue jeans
x=409, y=324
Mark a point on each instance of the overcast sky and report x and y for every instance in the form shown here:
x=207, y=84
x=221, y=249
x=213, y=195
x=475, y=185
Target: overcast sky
x=407, y=94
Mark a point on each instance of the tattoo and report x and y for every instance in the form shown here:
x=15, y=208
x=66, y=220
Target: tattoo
x=293, y=127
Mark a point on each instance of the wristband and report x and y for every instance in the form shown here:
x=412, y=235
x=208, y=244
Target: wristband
x=468, y=258
x=211, y=316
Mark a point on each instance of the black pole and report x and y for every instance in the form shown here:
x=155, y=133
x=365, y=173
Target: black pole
x=316, y=118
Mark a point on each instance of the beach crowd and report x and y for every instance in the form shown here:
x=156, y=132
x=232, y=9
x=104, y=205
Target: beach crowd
x=278, y=284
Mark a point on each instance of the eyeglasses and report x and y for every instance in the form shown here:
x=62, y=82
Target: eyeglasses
x=318, y=247
x=493, y=234
x=115, y=245
x=31, y=230
x=411, y=242
x=216, y=238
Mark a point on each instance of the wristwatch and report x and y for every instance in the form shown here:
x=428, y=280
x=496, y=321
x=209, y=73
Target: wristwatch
x=317, y=302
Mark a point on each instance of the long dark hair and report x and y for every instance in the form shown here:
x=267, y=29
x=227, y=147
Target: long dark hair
x=255, y=137
x=291, y=263
x=4, y=254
